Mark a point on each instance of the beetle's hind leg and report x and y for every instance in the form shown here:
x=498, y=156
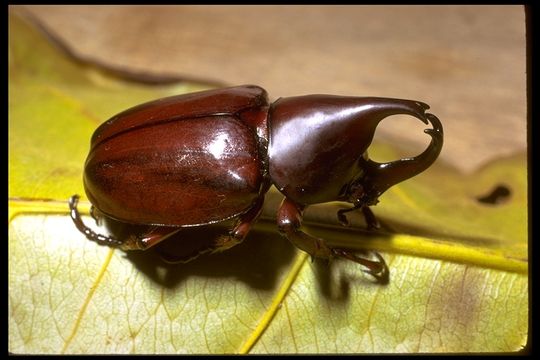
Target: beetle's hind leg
x=89, y=233
x=289, y=220
x=147, y=239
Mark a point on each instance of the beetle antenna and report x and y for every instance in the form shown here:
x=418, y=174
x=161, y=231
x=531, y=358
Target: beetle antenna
x=89, y=233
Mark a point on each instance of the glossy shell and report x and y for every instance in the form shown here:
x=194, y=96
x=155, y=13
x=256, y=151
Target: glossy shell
x=186, y=160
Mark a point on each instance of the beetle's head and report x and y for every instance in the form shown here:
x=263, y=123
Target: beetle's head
x=376, y=178
x=318, y=147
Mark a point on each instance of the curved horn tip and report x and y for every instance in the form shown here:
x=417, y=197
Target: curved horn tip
x=420, y=112
x=422, y=105
x=435, y=122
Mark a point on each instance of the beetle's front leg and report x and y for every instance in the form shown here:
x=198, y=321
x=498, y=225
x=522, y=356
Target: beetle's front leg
x=289, y=220
x=371, y=221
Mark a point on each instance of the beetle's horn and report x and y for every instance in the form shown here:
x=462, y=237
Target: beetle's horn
x=382, y=176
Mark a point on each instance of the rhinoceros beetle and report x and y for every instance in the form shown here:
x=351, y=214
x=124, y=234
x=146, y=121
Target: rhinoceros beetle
x=206, y=157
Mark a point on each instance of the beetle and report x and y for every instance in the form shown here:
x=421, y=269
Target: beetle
x=206, y=157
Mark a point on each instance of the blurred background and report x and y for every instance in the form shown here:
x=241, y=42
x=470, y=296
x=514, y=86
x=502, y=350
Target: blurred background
x=467, y=62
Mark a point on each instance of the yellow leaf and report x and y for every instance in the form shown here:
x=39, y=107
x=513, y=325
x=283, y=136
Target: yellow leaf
x=458, y=267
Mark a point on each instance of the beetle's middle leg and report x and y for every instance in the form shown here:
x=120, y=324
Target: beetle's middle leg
x=150, y=238
x=241, y=227
x=289, y=220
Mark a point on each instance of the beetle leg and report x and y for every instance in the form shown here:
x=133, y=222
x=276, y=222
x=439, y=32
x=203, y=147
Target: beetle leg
x=241, y=228
x=96, y=215
x=289, y=219
x=89, y=233
x=369, y=216
x=371, y=220
x=377, y=269
x=134, y=242
x=148, y=239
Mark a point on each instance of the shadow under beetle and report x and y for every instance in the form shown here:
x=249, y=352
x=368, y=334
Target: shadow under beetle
x=210, y=156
